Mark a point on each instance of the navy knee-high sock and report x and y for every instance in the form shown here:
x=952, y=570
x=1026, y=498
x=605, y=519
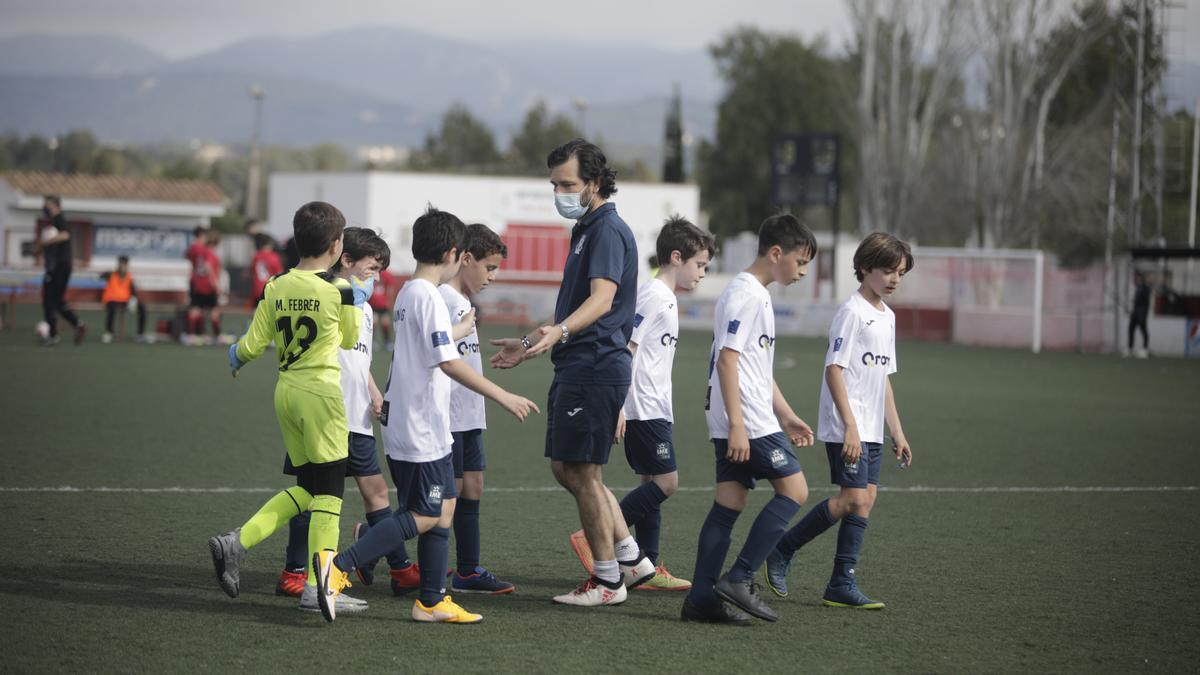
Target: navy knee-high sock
x=810, y=527
x=768, y=527
x=398, y=557
x=648, y=530
x=433, y=554
x=381, y=539
x=466, y=535
x=711, y=551
x=641, y=501
x=849, y=543
x=642, y=509
x=297, y=544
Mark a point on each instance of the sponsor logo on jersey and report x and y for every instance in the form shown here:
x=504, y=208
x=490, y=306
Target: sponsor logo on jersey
x=440, y=338
x=668, y=340
x=572, y=413
x=637, y=320
x=766, y=341
x=871, y=360
x=837, y=344
x=465, y=347
x=579, y=246
x=733, y=327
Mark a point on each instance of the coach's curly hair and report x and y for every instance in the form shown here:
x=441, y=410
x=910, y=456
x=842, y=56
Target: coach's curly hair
x=593, y=165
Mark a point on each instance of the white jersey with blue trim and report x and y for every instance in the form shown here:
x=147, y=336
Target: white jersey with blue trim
x=356, y=372
x=656, y=332
x=862, y=340
x=416, y=421
x=466, y=407
x=744, y=321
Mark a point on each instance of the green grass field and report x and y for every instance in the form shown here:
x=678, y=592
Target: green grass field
x=985, y=561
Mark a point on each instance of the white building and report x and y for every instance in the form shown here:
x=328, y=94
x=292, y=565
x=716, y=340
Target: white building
x=519, y=209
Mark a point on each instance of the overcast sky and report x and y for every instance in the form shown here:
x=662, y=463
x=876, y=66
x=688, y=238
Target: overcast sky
x=185, y=27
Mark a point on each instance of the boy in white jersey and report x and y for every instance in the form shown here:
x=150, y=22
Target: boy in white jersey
x=364, y=255
x=856, y=401
x=483, y=251
x=416, y=430
x=683, y=251
x=750, y=424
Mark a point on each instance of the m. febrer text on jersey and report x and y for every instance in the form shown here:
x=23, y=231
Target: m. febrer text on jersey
x=297, y=305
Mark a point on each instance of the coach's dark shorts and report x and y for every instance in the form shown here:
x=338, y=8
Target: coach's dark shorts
x=202, y=300
x=858, y=475
x=363, y=460
x=770, y=457
x=421, y=487
x=467, y=451
x=649, y=448
x=581, y=421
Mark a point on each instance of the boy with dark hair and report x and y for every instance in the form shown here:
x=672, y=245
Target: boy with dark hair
x=416, y=431
x=750, y=424
x=119, y=291
x=856, y=401
x=308, y=314
x=645, y=420
x=364, y=254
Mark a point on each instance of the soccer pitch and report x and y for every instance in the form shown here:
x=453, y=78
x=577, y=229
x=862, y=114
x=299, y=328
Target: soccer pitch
x=1047, y=524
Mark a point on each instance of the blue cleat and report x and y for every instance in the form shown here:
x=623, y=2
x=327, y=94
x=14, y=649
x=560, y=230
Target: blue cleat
x=481, y=581
x=849, y=596
x=776, y=571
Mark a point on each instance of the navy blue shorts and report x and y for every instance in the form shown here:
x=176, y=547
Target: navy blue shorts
x=421, y=487
x=649, y=448
x=859, y=474
x=581, y=421
x=467, y=451
x=363, y=460
x=770, y=457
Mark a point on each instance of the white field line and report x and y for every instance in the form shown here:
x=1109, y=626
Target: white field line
x=67, y=489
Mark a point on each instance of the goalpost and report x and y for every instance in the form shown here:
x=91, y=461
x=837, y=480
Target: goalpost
x=990, y=297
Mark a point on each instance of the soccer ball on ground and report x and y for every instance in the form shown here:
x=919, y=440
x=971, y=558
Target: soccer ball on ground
x=42, y=330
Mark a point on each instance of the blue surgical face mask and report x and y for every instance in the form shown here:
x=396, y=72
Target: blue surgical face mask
x=569, y=207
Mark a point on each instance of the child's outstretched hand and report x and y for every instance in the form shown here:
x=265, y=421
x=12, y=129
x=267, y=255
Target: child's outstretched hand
x=235, y=363
x=519, y=406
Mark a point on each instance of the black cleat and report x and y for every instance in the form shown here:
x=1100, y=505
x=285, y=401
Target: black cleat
x=744, y=595
x=720, y=612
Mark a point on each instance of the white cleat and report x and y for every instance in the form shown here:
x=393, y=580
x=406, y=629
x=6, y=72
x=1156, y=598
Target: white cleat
x=345, y=604
x=592, y=593
x=638, y=573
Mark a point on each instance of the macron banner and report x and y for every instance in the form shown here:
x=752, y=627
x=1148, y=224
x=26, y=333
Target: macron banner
x=140, y=241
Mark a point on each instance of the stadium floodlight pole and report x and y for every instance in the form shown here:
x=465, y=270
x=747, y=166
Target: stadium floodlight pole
x=253, y=179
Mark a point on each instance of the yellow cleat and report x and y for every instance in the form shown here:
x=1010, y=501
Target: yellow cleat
x=665, y=581
x=331, y=581
x=446, y=611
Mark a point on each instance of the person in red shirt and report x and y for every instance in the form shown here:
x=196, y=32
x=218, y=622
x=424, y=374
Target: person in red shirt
x=263, y=266
x=381, y=301
x=204, y=283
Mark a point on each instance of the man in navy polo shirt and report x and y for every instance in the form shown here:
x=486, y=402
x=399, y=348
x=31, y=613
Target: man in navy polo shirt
x=588, y=343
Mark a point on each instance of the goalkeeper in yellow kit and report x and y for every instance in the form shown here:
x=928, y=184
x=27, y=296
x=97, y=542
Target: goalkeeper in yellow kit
x=309, y=314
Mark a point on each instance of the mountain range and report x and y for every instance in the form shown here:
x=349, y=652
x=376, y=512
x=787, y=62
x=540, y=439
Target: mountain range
x=354, y=87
